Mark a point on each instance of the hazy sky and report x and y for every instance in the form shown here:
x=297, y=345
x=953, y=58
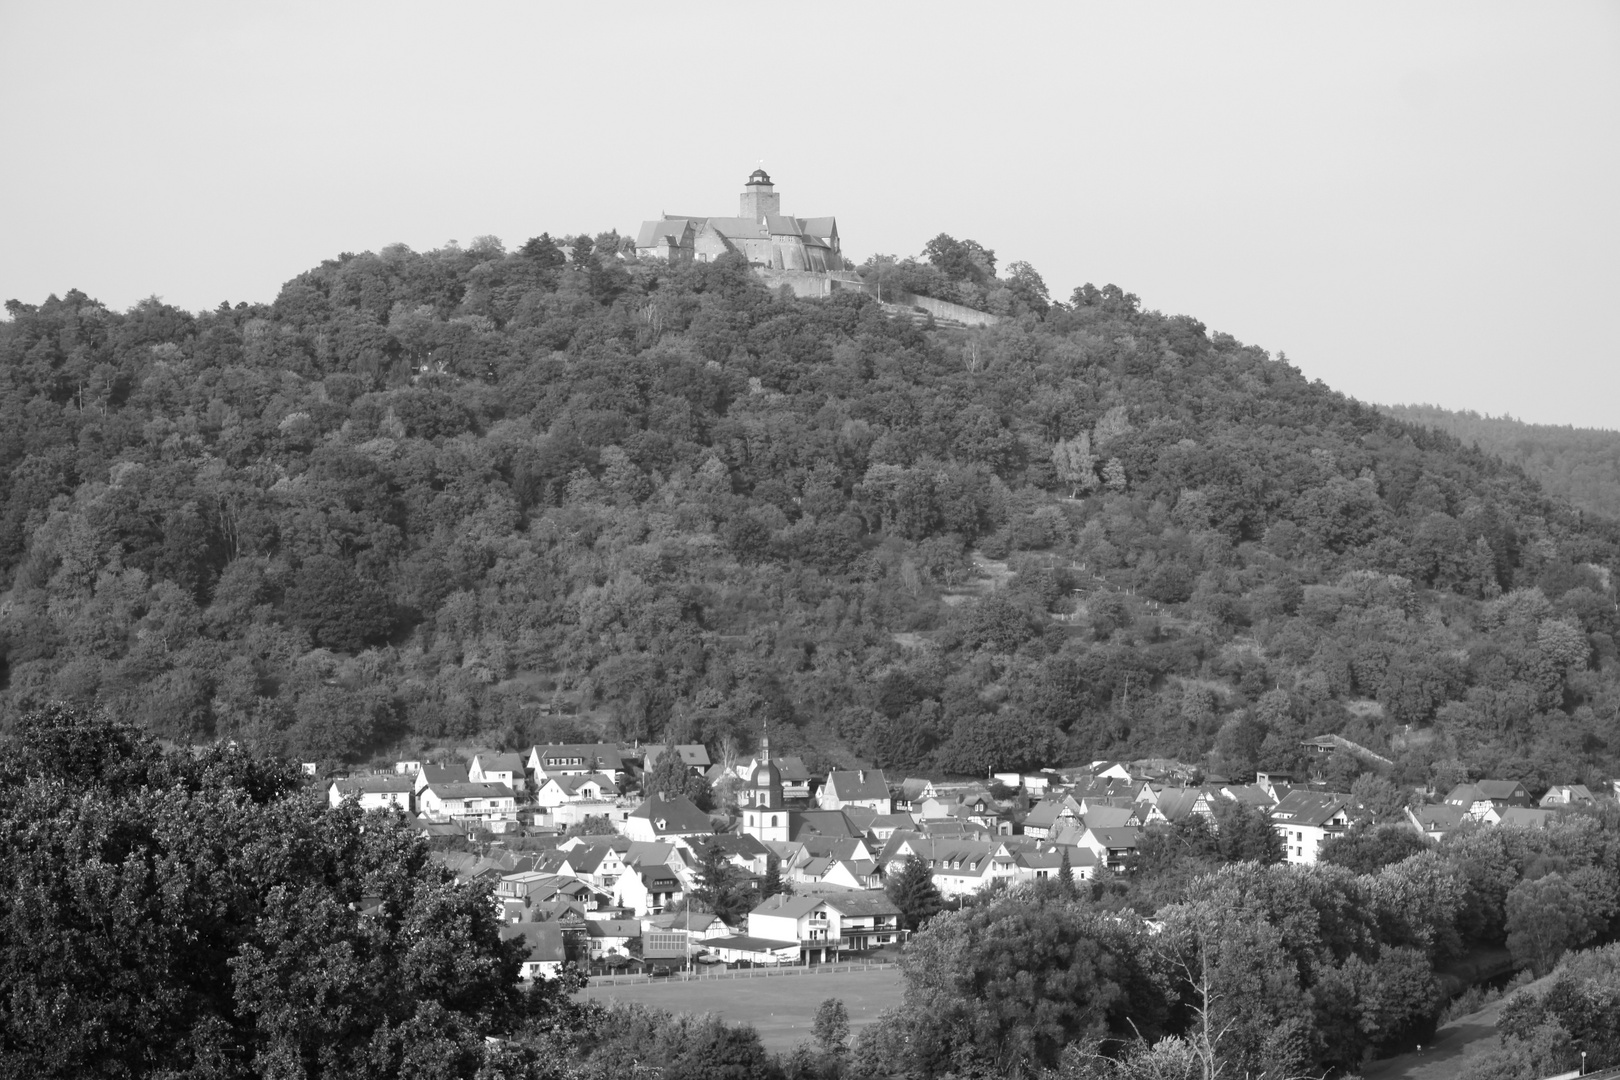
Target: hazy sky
x=1414, y=201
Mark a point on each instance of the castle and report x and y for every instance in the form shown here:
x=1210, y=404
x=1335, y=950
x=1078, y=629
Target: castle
x=760, y=232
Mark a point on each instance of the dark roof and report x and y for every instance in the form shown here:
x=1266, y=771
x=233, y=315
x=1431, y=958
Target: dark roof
x=469, y=790
x=831, y=823
x=678, y=814
x=747, y=944
x=596, y=755
x=444, y=774
x=693, y=755
x=851, y=784
x=1301, y=807
x=545, y=940
x=379, y=784
x=861, y=903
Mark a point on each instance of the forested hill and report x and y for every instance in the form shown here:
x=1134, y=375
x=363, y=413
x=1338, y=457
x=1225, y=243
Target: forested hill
x=1578, y=464
x=467, y=495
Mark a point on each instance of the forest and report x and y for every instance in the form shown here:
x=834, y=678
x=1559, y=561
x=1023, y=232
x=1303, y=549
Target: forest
x=1578, y=464
x=474, y=495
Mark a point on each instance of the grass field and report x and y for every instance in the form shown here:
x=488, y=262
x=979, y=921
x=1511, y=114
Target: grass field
x=781, y=1007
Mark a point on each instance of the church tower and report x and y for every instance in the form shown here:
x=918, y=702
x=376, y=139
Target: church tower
x=759, y=197
x=767, y=816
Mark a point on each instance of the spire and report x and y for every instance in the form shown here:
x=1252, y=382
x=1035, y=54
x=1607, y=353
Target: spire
x=765, y=742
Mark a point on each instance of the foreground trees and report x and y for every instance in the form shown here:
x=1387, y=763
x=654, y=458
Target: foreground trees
x=165, y=914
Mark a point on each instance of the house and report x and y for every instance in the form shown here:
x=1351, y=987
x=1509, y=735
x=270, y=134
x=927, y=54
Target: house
x=740, y=849
x=610, y=937
x=914, y=790
x=747, y=949
x=1306, y=820
x=598, y=864
x=1043, y=818
x=378, y=792
x=1177, y=804
x=1112, y=845
x=546, y=952
x=664, y=816
x=1111, y=770
x=856, y=787
x=572, y=788
x=467, y=802
x=828, y=924
x=864, y=919
x=570, y=759
x=884, y=825
x=1568, y=795
x=508, y=769
x=648, y=889
x=1434, y=822
x=1482, y=795
x=429, y=773
x=760, y=232
x=695, y=756
x=1525, y=817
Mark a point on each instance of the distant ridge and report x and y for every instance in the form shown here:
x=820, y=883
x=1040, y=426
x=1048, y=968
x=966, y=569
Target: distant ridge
x=1581, y=465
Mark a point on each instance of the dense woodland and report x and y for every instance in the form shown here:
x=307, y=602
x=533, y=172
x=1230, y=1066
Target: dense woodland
x=1578, y=464
x=507, y=497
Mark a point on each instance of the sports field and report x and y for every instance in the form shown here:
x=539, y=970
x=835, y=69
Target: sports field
x=781, y=1007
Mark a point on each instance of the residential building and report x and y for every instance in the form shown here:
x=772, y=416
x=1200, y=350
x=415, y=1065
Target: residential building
x=554, y=791
x=1568, y=795
x=467, y=802
x=1434, y=822
x=648, y=889
x=695, y=756
x=508, y=769
x=1306, y=820
x=546, y=950
x=450, y=773
x=856, y=787
x=664, y=817
x=576, y=759
x=1482, y=795
x=382, y=791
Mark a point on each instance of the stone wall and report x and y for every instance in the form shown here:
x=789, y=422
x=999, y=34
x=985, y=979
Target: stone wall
x=943, y=309
x=811, y=282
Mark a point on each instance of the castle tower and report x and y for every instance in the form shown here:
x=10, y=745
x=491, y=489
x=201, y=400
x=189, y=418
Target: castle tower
x=759, y=197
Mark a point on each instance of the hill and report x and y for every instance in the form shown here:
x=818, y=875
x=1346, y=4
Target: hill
x=531, y=495
x=1581, y=465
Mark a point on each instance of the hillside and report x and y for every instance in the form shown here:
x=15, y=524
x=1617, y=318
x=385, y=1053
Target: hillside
x=534, y=495
x=1581, y=465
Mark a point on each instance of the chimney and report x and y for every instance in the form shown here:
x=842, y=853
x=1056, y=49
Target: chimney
x=861, y=776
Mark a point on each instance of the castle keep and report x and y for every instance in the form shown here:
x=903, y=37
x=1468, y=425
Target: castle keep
x=760, y=232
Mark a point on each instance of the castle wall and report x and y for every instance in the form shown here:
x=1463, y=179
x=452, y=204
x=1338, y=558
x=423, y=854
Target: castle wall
x=943, y=309
x=810, y=283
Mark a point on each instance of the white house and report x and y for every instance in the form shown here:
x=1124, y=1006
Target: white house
x=467, y=802
x=374, y=792
x=663, y=817
x=498, y=769
x=590, y=787
x=648, y=890
x=856, y=787
x=1306, y=820
x=576, y=759
x=546, y=954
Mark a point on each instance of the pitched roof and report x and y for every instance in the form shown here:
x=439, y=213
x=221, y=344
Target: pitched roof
x=545, y=940
x=693, y=755
x=851, y=784
x=571, y=784
x=793, y=769
x=873, y=902
x=596, y=755
x=626, y=928
x=670, y=814
x=381, y=783
x=512, y=763
x=444, y=774
x=1501, y=789
x=788, y=907
x=804, y=823
x=471, y=791
x=1529, y=817
x=1302, y=807
x=1444, y=816
x=1125, y=837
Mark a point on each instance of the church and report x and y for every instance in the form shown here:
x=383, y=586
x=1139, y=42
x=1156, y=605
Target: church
x=760, y=232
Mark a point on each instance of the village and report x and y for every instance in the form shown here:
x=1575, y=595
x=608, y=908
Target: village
x=587, y=870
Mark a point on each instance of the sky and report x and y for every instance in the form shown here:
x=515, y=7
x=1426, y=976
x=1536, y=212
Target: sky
x=1413, y=202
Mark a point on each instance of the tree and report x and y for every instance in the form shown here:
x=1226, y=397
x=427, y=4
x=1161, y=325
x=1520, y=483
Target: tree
x=719, y=887
x=340, y=609
x=167, y=913
x=1365, y=848
x=1545, y=916
x=772, y=883
x=831, y=1029
x=913, y=891
x=1075, y=463
x=670, y=775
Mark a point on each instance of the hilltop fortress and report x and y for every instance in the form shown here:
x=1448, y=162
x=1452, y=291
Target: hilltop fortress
x=802, y=253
